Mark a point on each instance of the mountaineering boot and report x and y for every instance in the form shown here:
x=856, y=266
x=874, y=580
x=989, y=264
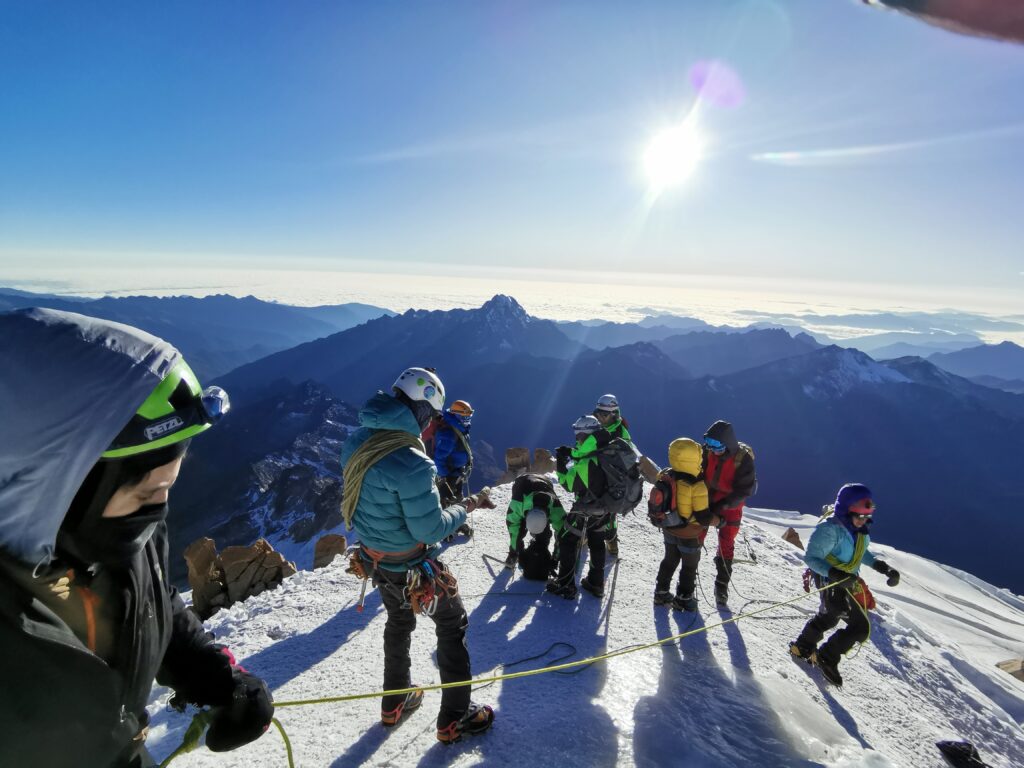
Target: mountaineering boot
x=566, y=590
x=721, y=593
x=412, y=701
x=611, y=546
x=685, y=603
x=512, y=559
x=724, y=573
x=829, y=669
x=662, y=597
x=800, y=651
x=477, y=719
x=597, y=590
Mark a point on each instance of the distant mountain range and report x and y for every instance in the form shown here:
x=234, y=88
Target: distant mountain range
x=941, y=452
x=1004, y=361
x=215, y=333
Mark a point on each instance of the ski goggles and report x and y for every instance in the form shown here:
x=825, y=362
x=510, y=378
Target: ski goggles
x=862, y=509
x=715, y=445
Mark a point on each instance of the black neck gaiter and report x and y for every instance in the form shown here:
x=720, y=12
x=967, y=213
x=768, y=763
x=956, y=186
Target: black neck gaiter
x=89, y=537
x=113, y=541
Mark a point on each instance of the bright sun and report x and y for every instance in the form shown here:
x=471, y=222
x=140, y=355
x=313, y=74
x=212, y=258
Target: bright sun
x=672, y=156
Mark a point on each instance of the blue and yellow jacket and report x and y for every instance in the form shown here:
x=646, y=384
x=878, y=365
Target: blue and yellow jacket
x=832, y=538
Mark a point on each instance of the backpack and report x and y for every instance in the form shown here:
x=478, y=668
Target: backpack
x=624, y=486
x=662, y=501
x=536, y=562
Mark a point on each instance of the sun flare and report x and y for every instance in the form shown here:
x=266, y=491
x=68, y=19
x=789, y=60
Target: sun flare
x=672, y=155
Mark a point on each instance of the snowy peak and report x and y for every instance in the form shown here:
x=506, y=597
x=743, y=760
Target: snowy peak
x=845, y=369
x=504, y=311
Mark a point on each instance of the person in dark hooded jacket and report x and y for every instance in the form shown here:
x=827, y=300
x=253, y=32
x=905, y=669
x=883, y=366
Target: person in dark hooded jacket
x=97, y=417
x=730, y=477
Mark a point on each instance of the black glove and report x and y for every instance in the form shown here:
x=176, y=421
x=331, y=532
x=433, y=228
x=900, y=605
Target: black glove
x=835, y=575
x=240, y=702
x=563, y=452
x=887, y=570
x=245, y=718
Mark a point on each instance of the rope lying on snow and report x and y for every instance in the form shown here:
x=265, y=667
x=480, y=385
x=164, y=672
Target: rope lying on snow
x=201, y=720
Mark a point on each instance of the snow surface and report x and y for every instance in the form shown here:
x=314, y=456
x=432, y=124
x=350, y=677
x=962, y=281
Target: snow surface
x=731, y=696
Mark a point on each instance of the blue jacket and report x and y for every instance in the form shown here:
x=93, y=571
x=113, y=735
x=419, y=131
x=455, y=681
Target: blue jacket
x=449, y=456
x=832, y=538
x=398, y=506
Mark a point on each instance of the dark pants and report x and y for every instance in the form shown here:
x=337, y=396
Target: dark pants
x=577, y=527
x=450, y=489
x=836, y=604
x=684, y=553
x=450, y=622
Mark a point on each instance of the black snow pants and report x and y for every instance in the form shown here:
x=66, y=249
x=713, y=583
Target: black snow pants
x=450, y=622
x=684, y=553
x=836, y=605
x=578, y=526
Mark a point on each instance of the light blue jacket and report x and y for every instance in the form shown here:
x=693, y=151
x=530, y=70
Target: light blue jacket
x=399, y=506
x=832, y=538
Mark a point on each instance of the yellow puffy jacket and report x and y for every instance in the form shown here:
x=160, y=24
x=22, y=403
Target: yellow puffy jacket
x=684, y=457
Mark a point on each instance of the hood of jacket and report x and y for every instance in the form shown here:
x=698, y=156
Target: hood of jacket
x=382, y=411
x=68, y=386
x=723, y=432
x=454, y=422
x=684, y=455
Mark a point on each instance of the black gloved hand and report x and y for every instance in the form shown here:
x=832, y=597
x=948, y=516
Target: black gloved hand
x=245, y=718
x=887, y=570
x=563, y=452
x=835, y=575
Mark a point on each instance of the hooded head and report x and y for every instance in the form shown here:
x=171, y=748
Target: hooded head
x=684, y=455
x=722, y=432
x=86, y=408
x=854, y=498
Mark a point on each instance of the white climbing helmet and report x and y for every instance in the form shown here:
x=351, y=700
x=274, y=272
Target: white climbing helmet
x=536, y=521
x=609, y=403
x=586, y=425
x=421, y=384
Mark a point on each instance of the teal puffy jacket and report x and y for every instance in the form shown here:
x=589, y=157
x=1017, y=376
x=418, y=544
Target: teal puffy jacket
x=831, y=538
x=399, y=506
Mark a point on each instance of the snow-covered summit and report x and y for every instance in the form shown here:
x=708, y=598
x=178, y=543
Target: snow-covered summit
x=730, y=696
x=844, y=369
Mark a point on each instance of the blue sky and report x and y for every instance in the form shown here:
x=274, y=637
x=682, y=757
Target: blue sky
x=868, y=148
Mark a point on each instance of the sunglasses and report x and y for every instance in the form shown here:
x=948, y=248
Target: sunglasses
x=713, y=444
x=855, y=516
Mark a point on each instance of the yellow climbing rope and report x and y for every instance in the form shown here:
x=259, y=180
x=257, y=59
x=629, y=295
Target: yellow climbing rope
x=201, y=720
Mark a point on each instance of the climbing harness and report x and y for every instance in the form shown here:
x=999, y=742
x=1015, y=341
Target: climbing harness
x=426, y=583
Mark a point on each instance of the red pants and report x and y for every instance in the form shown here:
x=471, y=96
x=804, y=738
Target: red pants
x=728, y=532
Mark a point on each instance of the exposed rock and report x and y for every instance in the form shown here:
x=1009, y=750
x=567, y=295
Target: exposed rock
x=517, y=459
x=649, y=470
x=327, y=547
x=219, y=581
x=793, y=538
x=543, y=461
